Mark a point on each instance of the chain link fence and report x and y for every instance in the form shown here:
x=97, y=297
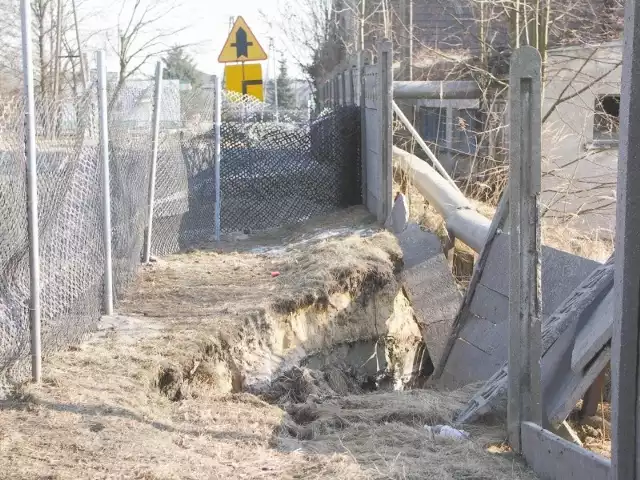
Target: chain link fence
x=70, y=221
x=273, y=171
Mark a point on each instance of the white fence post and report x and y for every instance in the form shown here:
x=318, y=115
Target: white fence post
x=157, y=98
x=524, y=390
x=216, y=124
x=106, y=195
x=32, y=193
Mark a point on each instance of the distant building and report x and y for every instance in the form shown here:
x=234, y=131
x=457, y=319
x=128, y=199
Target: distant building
x=302, y=92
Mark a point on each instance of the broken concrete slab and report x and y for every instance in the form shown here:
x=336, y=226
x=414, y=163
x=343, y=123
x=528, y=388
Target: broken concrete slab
x=430, y=286
x=561, y=274
x=562, y=386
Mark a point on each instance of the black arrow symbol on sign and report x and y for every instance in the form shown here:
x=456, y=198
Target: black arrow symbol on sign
x=242, y=46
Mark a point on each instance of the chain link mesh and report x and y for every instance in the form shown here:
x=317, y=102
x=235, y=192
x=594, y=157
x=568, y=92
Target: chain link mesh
x=70, y=222
x=272, y=172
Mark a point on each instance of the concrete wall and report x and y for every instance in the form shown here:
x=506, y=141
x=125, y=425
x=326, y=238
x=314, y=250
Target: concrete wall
x=568, y=143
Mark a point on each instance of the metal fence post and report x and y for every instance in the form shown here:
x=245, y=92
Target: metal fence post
x=32, y=193
x=217, y=121
x=385, y=117
x=524, y=390
x=106, y=199
x=155, y=132
x=625, y=362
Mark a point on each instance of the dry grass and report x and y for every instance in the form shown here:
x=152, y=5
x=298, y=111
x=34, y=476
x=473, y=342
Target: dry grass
x=594, y=432
x=281, y=270
x=385, y=432
x=351, y=265
x=143, y=401
x=99, y=414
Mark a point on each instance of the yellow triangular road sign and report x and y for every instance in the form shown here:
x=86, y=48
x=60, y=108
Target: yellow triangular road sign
x=241, y=45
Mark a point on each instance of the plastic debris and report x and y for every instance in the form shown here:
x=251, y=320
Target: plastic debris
x=446, y=431
x=275, y=274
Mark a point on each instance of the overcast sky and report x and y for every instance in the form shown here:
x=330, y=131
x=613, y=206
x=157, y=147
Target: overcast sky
x=207, y=23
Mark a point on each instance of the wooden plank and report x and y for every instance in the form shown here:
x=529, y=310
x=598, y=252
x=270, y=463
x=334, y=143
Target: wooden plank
x=553, y=458
x=595, y=334
x=575, y=385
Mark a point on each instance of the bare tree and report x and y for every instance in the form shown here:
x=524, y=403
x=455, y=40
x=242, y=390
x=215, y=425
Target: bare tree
x=142, y=36
x=319, y=34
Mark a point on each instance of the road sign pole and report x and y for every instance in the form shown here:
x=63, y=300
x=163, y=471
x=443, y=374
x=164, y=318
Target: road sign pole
x=244, y=92
x=275, y=85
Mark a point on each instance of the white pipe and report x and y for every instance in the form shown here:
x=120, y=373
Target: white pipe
x=217, y=121
x=462, y=219
x=154, y=161
x=106, y=198
x=423, y=145
x=32, y=193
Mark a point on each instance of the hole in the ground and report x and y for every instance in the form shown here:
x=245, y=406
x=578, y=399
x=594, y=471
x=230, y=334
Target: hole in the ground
x=346, y=369
x=170, y=382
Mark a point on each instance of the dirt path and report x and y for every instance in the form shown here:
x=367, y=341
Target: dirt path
x=152, y=395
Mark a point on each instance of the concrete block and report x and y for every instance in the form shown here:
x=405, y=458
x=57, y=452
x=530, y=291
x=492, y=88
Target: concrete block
x=553, y=458
x=561, y=272
x=430, y=286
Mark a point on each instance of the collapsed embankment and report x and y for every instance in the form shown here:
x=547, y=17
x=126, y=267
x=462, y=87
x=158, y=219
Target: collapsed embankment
x=332, y=307
x=161, y=391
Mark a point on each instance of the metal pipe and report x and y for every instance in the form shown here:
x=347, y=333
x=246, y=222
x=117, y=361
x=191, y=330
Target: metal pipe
x=217, y=121
x=438, y=166
x=437, y=90
x=463, y=220
x=32, y=193
x=154, y=160
x=106, y=198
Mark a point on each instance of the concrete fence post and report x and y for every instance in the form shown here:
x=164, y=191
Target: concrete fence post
x=352, y=90
x=32, y=192
x=363, y=126
x=625, y=354
x=155, y=132
x=385, y=117
x=524, y=386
